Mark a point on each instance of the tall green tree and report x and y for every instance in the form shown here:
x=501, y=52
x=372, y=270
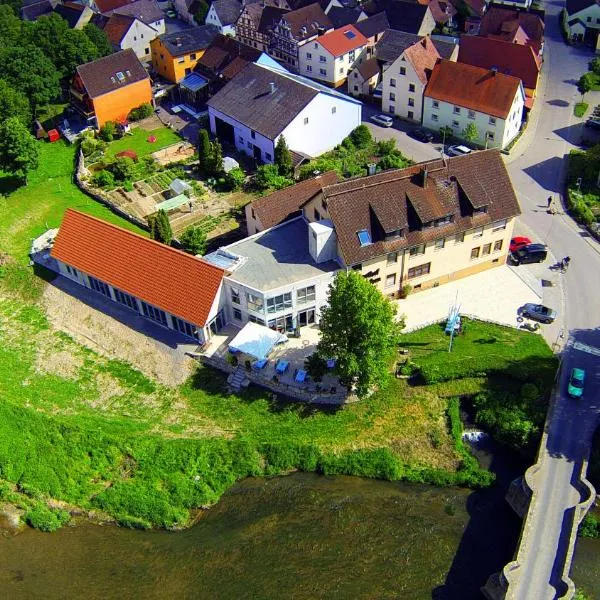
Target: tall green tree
x=29, y=71
x=14, y=5
x=99, y=38
x=283, y=157
x=11, y=27
x=202, y=8
x=14, y=104
x=160, y=227
x=361, y=136
x=358, y=329
x=470, y=133
x=19, y=150
x=193, y=240
x=216, y=166
x=204, y=150
x=584, y=85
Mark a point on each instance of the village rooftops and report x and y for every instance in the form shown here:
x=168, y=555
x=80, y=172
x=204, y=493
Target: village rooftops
x=147, y=11
x=228, y=11
x=373, y=25
x=187, y=41
x=342, y=40
x=117, y=26
x=486, y=91
x=164, y=277
x=306, y=22
x=393, y=43
x=105, y=6
x=111, y=73
x=403, y=208
x=277, y=257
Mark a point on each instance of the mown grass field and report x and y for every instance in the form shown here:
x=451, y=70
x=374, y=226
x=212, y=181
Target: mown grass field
x=137, y=141
x=94, y=432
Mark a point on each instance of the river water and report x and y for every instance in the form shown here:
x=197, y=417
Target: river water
x=296, y=537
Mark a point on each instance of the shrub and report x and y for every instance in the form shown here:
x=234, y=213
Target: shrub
x=160, y=227
x=394, y=160
x=193, y=240
x=268, y=177
x=580, y=108
x=91, y=145
x=42, y=518
x=235, y=178
x=104, y=179
x=316, y=366
x=361, y=136
x=123, y=168
x=385, y=147
x=108, y=131
x=232, y=360
x=141, y=112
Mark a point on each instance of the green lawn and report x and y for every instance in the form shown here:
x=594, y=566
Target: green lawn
x=138, y=141
x=28, y=211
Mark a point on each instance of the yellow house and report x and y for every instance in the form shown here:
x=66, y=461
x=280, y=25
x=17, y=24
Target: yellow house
x=174, y=55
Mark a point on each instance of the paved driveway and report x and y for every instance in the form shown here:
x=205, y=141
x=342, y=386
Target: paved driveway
x=495, y=294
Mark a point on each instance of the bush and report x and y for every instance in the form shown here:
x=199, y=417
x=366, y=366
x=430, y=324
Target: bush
x=590, y=527
x=385, y=147
x=394, y=160
x=124, y=169
x=315, y=366
x=268, y=177
x=235, y=178
x=193, y=240
x=580, y=108
x=361, y=136
x=141, y=112
x=91, y=145
x=108, y=131
x=42, y=518
x=104, y=179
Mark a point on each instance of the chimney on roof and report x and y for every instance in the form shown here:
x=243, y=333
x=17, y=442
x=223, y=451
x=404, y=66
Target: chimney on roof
x=424, y=174
x=272, y=87
x=320, y=30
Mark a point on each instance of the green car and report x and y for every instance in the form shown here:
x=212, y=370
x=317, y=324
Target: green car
x=576, y=380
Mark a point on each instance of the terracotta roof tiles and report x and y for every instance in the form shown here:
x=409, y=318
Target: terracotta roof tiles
x=174, y=281
x=423, y=56
x=342, y=40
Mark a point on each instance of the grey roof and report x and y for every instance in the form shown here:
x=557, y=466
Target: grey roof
x=403, y=15
x=373, y=25
x=248, y=99
x=228, y=11
x=32, y=11
x=574, y=6
x=340, y=16
x=100, y=76
x=445, y=49
x=147, y=11
x=189, y=40
x=393, y=44
x=278, y=257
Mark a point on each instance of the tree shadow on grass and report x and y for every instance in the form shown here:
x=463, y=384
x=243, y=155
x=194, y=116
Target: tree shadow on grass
x=9, y=184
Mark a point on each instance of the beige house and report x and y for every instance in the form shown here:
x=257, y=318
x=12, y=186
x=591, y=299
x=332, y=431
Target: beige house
x=363, y=79
x=581, y=19
x=404, y=81
x=421, y=226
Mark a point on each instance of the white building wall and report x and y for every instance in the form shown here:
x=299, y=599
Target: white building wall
x=213, y=19
x=330, y=120
x=437, y=114
x=333, y=70
x=396, y=91
x=138, y=38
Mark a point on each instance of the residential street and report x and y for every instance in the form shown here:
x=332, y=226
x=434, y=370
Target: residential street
x=537, y=170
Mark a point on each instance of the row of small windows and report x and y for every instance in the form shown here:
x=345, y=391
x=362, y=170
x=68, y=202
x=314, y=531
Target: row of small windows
x=276, y=303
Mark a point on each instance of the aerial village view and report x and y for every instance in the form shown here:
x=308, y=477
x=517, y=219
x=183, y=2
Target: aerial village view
x=299, y=299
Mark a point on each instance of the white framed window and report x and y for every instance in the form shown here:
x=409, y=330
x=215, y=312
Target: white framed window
x=305, y=295
x=308, y=56
x=475, y=253
x=280, y=302
x=255, y=303
x=392, y=82
x=323, y=72
x=402, y=70
x=490, y=136
x=498, y=246
x=455, y=124
x=392, y=96
x=309, y=68
x=322, y=59
x=492, y=120
x=390, y=280
x=235, y=297
x=498, y=225
x=411, y=87
x=435, y=104
x=411, y=101
x=456, y=110
x=392, y=258
x=341, y=70
x=417, y=250
x=459, y=238
x=434, y=117
x=486, y=249
x=439, y=244
x=333, y=110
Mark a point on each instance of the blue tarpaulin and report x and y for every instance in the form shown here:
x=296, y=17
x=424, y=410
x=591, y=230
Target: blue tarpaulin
x=193, y=82
x=256, y=340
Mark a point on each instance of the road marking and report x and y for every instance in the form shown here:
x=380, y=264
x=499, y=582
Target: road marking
x=585, y=348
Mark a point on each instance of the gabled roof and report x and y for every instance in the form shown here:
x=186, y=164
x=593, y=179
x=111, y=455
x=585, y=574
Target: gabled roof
x=510, y=25
x=100, y=76
x=248, y=99
x=105, y=6
x=373, y=25
x=393, y=44
x=423, y=56
x=286, y=203
x=117, y=26
x=403, y=199
x=70, y=12
x=226, y=55
x=269, y=17
x=575, y=6
x=478, y=7
x=482, y=90
x=442, y=10
x=340, y=16
x=305, y=22
x=228, y=11
x=403, y=15
x=35, y=10
x=147, y=11
x=342, y=40
x=445, y=49
x=368, y=68
x=187, y=41
x=510, y=59
x=174, y=281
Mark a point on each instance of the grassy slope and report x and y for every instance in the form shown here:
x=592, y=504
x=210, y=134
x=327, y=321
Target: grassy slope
x=100, y=434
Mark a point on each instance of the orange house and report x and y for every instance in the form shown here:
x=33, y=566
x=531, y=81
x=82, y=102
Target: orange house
x=108, y=89
x=174, y=55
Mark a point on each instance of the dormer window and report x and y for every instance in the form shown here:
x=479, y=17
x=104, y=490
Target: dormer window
x=392, y=235
x=364, y=237
x=443, y=221
x=480, y=211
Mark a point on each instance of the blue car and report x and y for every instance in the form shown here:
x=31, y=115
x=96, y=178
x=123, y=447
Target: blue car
x=576, y=381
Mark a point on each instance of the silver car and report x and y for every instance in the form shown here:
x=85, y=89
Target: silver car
x=383, y=120
x=538, y=312
x=458, y=151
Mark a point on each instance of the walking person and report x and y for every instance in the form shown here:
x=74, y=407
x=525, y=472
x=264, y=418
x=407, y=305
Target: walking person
x=565, y=263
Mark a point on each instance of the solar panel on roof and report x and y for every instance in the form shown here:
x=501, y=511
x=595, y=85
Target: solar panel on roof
x=364, y=237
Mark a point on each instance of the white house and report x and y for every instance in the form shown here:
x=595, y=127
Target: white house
x=405, y=79
x=459, y=95
x=582, y=20
x=364, y=78
x=262, y=103
x=223, y=14
x=146, y=11
x=331, y=56
x=125, y=31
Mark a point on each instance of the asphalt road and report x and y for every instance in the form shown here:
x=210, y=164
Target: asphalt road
x=537, y=171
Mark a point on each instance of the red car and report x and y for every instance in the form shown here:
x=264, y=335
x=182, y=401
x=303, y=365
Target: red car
x=519, y=242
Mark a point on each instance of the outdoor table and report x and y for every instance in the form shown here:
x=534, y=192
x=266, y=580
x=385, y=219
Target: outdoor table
x=300, y=376
x=259, y=364
x=282, y=366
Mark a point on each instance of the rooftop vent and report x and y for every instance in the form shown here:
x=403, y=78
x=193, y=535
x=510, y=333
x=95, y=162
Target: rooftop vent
x=272, y=87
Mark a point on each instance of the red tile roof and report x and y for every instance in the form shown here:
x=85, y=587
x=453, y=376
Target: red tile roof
x=511, y=59
x=342, y=40
x=108, y=5
x=423, y=56
x=489, y=92
x=116, y=28
x=169, y=279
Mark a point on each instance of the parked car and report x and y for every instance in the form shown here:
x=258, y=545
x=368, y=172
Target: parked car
x=458, y=151
x=538, y=312
x=518, y=242
x=593, y=123
x=576, y=381
x=421, y=134
x=532, y=253
x=383, y=120
x=171, y=13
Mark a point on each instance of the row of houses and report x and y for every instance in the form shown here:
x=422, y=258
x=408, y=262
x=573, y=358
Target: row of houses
x=421, y=226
